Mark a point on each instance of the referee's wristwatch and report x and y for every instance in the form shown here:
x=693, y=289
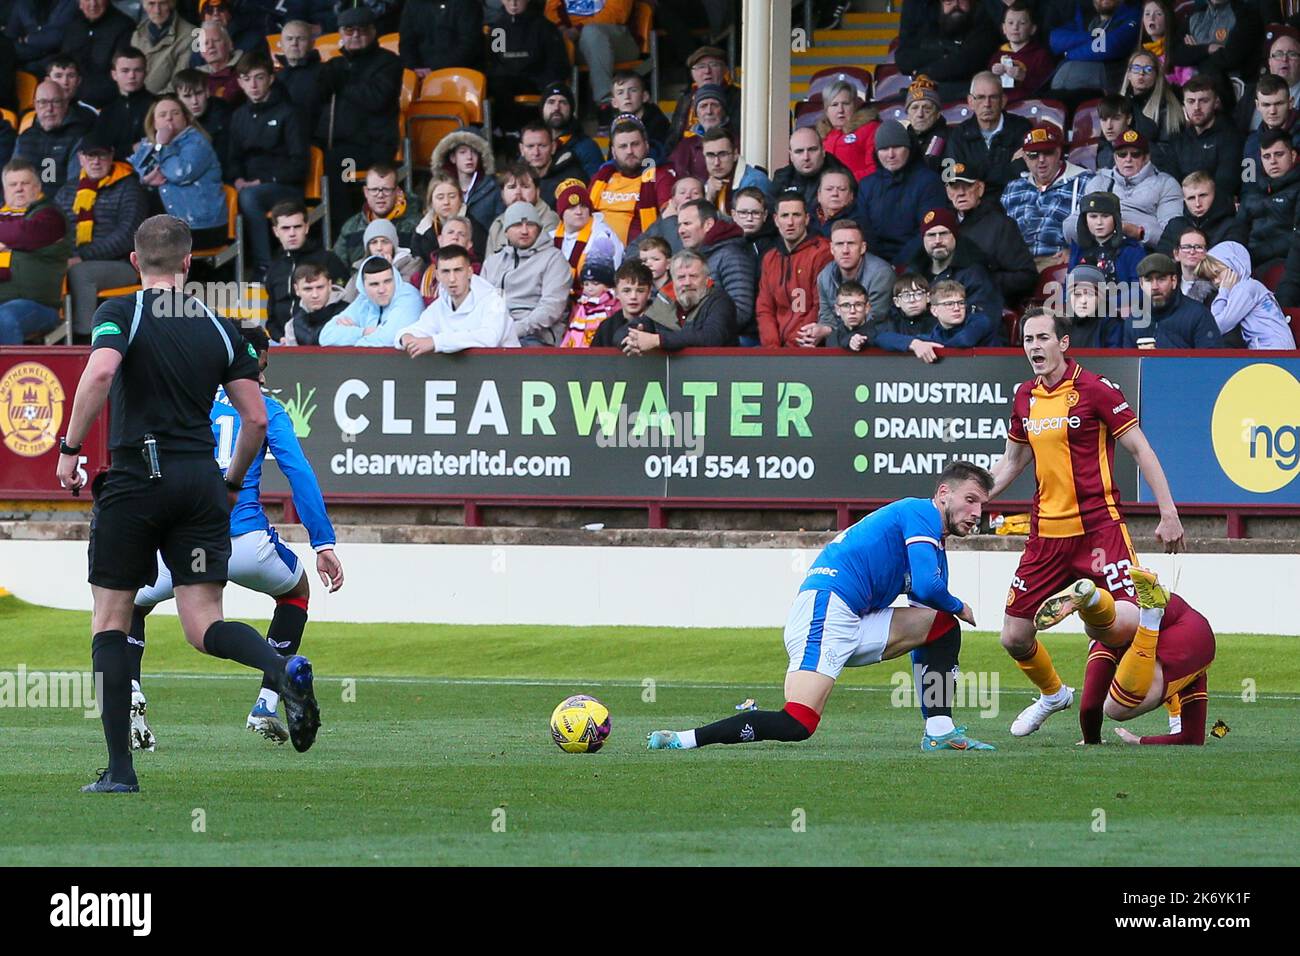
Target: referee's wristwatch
x=66, y=449
x=235, y=486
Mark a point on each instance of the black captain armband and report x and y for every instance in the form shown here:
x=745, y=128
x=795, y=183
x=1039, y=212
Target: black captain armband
x=66, y=449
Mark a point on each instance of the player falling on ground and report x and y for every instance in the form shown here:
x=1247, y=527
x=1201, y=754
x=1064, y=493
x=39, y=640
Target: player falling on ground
x=259, y=561
x=842, y=618
x=1066, y=420
x=1168, y=660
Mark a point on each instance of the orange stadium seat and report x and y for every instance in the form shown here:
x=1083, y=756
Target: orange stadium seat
x=391, y=42
x=9, y=117
x=28, y=119
x=458, y=85
x=314, y=190
x=327, y=45
x=273, y=44
x=233, y=250
x=25, y=89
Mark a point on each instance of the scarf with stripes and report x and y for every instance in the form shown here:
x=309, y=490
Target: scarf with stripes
x=83, y=205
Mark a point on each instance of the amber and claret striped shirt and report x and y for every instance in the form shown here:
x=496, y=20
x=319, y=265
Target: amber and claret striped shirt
x=1072, y=430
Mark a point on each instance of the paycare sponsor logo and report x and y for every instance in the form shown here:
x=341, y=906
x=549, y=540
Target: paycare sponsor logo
x=1037, y=426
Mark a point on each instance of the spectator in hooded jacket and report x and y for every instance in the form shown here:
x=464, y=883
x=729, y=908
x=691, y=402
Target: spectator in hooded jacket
x=892, y=200
x=1101, y=240
x=991, y=138
x=298, y=247
x=946, y=254
x=50, y=140
x=441, y=34
x=1149, y=199
x=468, y=157
x=359, y=107
x=953, y=41
x=266, y=154
x=1166, y=319
x=787, y=304
x=1206, y=209
x=1246, y=312
x=727, y=172
x=104, y=205
x=95, y=32
x=469, y=312
x=165, y=38
x=1094, y=46
x=528, y=54
x=722, y=244
x=532, y=277
x=751, y=211
x=386, y=304
x=985, y=224
x=1088, y=300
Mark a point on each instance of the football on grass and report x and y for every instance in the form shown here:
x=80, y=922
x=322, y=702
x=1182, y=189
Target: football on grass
x=580, y=725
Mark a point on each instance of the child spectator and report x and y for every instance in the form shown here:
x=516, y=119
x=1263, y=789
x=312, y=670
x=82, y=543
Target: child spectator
x=212, y=114
x=1022, y=63
x=1246, y=312
x=1115, y=116
x=596, y=304
x=909, y=322
x=960, y=327
x=852, y=309
x=1102, y=242
x=655, y=253
x=582, y=232
x=634, y=287
x=1088, y=305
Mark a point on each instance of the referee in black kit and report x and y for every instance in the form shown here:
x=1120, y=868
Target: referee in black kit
x=162, y=354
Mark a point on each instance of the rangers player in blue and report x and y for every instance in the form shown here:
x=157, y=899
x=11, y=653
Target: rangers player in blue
x=842, y=618
x=258, y=560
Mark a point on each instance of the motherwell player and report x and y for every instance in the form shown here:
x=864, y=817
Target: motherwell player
x=1066, y=421
x=1168, y=661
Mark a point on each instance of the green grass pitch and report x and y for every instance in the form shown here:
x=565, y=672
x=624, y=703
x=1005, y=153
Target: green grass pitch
x=446, y=744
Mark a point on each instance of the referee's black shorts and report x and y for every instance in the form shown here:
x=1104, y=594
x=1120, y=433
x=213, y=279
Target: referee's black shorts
x=185, y=515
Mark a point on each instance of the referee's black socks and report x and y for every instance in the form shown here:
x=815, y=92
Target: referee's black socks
x=135, y=643
x=108, y=654
x=236, y=641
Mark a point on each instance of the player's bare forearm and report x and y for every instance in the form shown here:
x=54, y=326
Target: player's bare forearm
x=1015, y=458
x=92, y=393
x=246, y=395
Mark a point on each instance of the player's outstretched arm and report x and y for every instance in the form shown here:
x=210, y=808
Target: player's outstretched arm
x=1169, y=531
x=246, y=395
x=92, y=393
x=1015, y=459
x=307, y=497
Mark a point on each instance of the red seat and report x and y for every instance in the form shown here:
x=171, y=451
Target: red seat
x=1087, y=124
x=892, y=87
x=956, y=113
x=1084, y=155
x=1036, y=111
x=1271, y=275
x=895, y=112
x=1051, y=285
x=855, y=76
x=1293, y=320
x=1011, y=319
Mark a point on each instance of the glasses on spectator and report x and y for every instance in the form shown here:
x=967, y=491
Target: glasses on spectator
x=913, y=295
x=1284, y=55
x=381, y=190
x=46, y=103
x=853, y=305
x=985, y=97
x=1141, y=69
x=951, y=304
x=1192, y=247
x=747, y=212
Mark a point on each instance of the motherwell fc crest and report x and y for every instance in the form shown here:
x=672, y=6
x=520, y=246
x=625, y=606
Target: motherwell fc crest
x=31, y=409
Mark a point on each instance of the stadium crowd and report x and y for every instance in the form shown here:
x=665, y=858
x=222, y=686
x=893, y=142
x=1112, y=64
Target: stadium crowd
x=1131, y=165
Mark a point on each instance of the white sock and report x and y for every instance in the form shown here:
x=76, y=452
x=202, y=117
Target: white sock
x=938, y=726
x=1093, y=598
x=135, y=687
x=1057, y=697
x=687, y=738
x=269, y=699
x=1150, y=617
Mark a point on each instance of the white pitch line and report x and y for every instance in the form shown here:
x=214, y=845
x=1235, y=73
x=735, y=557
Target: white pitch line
x=514, y=682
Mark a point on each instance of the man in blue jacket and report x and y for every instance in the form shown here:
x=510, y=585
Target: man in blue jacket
x=892, y=200
x=1167, y=319
x=259, y=560
x=1094, y=46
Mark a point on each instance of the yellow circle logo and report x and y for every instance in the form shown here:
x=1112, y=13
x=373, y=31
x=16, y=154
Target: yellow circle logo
x=31, y=409
x=1256, y=428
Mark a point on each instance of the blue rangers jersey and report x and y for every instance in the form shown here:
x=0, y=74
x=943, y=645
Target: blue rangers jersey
x=896, y=550
x=247, y=515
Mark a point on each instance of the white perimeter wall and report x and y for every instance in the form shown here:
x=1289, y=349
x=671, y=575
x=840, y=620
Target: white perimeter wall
x=659, y=587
